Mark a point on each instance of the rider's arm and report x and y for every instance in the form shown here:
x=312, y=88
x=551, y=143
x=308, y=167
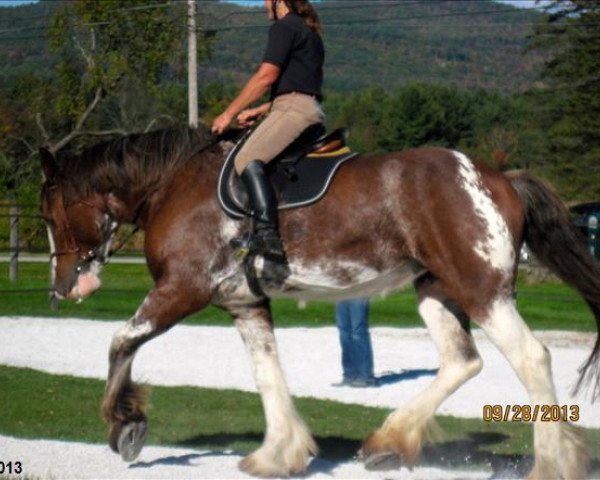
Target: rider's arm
x=256, y=87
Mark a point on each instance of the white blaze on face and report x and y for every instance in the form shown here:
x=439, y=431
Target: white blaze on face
x=52, y=251
x=496, y=246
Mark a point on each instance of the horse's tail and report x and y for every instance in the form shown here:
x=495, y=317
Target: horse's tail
x=553, y=238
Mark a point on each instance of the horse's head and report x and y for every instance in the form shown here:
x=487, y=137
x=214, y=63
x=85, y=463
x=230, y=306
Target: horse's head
x=79, y=230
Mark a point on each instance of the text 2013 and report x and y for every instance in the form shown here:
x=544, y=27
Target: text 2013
x=10, y=468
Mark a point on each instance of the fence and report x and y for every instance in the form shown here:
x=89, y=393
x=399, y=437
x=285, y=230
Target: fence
x=23, y=238
x=12, y=242
x=33, y=245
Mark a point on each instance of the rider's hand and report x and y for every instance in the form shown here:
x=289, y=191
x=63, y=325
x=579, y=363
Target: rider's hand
x=248, y=117
x=221, y=123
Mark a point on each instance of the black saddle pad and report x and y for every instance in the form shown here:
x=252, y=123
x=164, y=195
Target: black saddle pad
x=298, y=185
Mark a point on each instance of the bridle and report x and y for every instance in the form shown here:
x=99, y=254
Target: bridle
x=99, y=253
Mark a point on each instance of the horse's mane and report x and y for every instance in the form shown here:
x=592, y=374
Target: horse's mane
x=139, y=160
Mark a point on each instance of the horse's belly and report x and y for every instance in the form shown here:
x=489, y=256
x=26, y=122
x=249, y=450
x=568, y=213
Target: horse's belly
x=340, y=281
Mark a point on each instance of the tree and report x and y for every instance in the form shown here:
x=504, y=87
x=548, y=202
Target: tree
x=109, y=55
x=570, y=37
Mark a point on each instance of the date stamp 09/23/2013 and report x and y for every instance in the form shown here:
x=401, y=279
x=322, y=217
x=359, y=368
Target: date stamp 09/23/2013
x=9, y=467
x=530, y=413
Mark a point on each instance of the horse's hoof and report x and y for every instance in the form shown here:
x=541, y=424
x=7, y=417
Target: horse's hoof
x=381, y=461
x=131, y=440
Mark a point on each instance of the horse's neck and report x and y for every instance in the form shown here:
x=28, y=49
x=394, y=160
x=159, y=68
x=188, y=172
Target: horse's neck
x=128, y=207
x=135, y=206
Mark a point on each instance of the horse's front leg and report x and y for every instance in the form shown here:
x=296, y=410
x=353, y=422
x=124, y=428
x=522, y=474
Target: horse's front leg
x=124, y=403
x=288, y=443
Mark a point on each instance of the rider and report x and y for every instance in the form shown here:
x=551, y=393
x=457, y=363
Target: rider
x=292, y=68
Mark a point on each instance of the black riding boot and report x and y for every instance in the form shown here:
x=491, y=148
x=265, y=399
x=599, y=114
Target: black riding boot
x=266, y=240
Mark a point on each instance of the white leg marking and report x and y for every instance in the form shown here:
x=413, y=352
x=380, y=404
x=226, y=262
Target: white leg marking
x=496, y=248
x=560, y=452
x=459, y=361
x=132, y=330
x=288, y=443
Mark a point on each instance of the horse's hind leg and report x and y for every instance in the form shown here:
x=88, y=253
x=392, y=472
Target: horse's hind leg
x=403, y=431
x=560, y=451
x=288, y=443
x=124, y=402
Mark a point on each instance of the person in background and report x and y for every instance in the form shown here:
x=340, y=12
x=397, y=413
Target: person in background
x=352, y=319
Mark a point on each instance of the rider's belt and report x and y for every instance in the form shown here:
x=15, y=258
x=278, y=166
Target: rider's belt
x=318, y=98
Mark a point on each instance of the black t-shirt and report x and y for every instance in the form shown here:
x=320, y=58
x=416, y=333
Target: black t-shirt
x=299, y=52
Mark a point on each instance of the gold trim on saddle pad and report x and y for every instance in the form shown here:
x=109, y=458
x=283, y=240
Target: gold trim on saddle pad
x=335, y=153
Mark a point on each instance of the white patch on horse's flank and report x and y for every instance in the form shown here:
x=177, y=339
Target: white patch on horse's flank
x=322, y=275
x=229, y=228
x=342, y=280
x=496, y=247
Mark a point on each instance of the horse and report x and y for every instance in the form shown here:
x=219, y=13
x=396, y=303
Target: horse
x=427, y=216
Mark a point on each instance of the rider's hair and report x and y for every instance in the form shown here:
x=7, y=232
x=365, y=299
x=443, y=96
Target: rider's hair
x=304, y=9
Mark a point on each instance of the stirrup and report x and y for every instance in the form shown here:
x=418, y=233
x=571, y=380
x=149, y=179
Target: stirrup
x=241, y=246
x=268, y=244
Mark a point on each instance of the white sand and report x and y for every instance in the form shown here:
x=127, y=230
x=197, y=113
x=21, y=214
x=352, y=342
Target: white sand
x=215, y=357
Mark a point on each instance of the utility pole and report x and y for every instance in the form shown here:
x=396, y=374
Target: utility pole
x=192, y=66
x=13, y=213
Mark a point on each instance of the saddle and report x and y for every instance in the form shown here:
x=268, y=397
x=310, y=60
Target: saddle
x=300, y=175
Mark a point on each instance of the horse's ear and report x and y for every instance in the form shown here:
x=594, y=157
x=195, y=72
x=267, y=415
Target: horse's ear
x=49, y=165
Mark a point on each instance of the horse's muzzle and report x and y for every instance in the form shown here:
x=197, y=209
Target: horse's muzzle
x=85, y=285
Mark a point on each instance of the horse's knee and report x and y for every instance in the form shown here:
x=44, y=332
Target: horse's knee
x=130, y=336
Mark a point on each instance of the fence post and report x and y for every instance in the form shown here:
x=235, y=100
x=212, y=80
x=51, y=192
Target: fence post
x=13, y=214
x=592, y=233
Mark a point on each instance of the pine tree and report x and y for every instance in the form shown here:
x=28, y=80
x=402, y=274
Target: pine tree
x=570, y=36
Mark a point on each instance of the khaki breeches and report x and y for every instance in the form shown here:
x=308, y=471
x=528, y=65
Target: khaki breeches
x=290, y=115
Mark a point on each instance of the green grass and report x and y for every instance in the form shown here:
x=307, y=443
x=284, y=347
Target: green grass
x=40, y=405
x=544, y=306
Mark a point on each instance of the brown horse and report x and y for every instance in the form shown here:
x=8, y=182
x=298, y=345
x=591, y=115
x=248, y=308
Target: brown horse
x=429, y=216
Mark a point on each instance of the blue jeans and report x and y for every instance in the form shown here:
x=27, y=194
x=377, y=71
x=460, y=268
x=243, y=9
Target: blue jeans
x=352, y=318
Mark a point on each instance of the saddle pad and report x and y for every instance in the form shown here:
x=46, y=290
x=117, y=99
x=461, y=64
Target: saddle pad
x=305, y=183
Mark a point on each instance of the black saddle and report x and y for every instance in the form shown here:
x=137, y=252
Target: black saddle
x=301, y=174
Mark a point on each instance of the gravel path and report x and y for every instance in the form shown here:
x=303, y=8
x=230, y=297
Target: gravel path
x=405, y=360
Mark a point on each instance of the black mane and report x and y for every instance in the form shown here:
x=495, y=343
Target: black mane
x=133, y=161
